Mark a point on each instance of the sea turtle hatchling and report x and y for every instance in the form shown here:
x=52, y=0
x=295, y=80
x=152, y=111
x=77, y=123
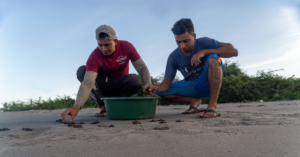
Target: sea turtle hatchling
x=102, y=125
x=26, y=129
x=77, y=126
x=136, y=122
x=95, y=122
x=4, y=129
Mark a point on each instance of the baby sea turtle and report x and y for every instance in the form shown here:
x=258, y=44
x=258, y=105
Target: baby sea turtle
x=111, y=125
x=77, y=126
x=4, y=129
x=71, y=124
x=162, y=122
x=26, y=129
x=95, y=122
x=153, y=120
x=136, y=122
x=59, y=120
x=179, y=120
x=81, y=123
x=161, y=128
x=102, y=125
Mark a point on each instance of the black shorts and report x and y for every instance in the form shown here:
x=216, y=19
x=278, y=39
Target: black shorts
x=123, y=86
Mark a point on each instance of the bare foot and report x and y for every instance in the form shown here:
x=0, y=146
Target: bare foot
x=195, y=102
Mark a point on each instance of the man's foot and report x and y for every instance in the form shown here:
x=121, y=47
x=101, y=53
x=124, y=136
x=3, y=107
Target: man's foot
x=102, y=113
x=191, y=110
x=208, y=114
x=195, y=103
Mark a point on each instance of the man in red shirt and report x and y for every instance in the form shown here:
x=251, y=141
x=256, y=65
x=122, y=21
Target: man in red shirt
x=106, y=72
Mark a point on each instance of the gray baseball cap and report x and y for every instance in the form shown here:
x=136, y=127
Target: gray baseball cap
x=108, y=30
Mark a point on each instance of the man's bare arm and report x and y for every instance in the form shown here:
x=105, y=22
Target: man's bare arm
x=163, y=87
x=225, y=51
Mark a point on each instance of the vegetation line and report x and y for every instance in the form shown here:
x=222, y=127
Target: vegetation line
x=237, y=86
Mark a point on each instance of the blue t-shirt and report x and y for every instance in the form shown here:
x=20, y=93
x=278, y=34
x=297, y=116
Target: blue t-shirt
x=178, y=61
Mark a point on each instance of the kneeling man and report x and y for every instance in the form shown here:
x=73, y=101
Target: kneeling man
x=106, y=72
x=199, y=62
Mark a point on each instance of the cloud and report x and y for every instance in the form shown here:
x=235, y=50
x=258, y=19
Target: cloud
x=290, y=24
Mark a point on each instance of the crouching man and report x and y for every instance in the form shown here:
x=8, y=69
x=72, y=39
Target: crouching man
x=106, y=72
x=199, y=62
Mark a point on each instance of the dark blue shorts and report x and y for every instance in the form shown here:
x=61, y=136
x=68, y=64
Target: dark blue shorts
x=198, y=88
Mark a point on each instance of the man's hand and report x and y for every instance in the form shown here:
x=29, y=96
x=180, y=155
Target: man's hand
x=196, y=58
x=70, y=111
x=149, y=89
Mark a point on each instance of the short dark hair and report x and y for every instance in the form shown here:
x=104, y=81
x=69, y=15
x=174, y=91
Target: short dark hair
x=103, y=35
x=182, y=26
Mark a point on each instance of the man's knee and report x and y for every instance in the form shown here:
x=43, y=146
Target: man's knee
x=81, y=72
x=212, y=62
x=214, y=70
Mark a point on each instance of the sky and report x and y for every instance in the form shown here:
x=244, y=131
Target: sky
x=42, y=43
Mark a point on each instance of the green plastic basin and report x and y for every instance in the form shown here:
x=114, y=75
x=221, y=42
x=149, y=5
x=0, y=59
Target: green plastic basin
x=130, y=107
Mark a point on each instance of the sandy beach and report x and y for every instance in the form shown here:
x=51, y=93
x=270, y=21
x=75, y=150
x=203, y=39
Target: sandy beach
x=247, y=129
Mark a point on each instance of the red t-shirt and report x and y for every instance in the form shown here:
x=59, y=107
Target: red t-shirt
x=114, y=65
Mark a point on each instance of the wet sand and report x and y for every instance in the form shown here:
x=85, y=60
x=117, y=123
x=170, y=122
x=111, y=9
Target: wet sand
x=248, y=129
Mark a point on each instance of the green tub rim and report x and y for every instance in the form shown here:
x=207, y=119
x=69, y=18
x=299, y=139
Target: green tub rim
x=127, y=98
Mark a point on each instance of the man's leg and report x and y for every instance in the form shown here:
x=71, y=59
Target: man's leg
x=126, y=86
x=214, y=79
x=123, y=86
x=95, y=93
x=194, y=102
x=182, y=91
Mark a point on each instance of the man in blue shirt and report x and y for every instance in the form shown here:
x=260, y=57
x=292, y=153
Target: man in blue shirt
x=199, y=62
